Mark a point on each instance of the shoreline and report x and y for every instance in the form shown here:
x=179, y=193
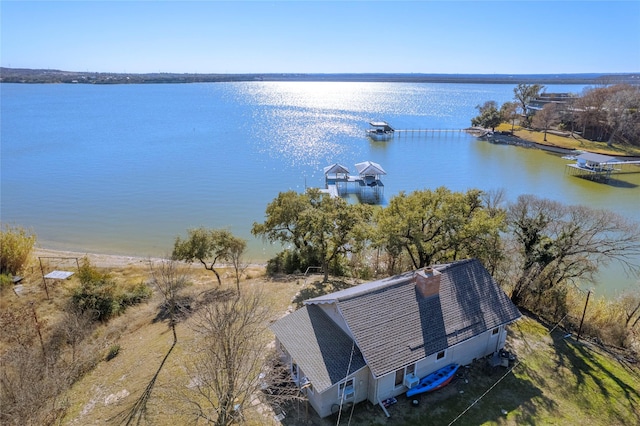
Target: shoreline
x=507, y=138
x=113, y=261
x=100, y=260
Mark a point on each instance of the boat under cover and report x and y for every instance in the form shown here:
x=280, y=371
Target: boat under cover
x=380, y=131
x=434, y=381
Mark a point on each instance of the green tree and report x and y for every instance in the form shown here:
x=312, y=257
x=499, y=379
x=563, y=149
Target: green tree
x=524, y=93
x=440, y=226
x=281, y=223
x=16, y=245
x=208, y=246
x=321, y=228
x=489, y=117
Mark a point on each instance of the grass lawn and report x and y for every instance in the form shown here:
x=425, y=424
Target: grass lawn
x=555, y=380
x=570, y=142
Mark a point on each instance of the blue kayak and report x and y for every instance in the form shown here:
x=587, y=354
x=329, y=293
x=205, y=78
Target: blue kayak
x=434, y=381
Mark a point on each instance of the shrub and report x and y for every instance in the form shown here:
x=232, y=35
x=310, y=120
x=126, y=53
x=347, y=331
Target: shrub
x=99, y=293
x=16, y=245
x=5, y=281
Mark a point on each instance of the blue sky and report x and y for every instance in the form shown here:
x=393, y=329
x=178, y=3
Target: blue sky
x=479, y=37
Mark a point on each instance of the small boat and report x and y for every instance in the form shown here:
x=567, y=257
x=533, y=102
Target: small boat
x=380, y=131
x=434, y=381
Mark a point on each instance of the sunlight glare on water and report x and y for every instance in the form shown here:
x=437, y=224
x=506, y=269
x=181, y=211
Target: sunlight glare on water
x=308, y=121
x=126, y=168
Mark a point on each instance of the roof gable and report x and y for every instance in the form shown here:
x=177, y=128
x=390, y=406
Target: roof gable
x=321, y=348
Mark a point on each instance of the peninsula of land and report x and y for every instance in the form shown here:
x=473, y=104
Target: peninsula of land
x=24, y=75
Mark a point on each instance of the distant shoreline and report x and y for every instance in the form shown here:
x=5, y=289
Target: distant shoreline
x=44, y=76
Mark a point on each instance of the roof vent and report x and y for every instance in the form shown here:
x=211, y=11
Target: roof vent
x=427, y=282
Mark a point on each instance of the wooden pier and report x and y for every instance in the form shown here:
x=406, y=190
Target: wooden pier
x=382, y=131
x=401, y=132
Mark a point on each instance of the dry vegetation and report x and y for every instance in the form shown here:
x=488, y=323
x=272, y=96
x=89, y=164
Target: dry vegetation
x=535, y=389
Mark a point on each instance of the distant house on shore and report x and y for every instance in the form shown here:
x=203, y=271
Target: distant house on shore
x=373, y=341
x=562, y=100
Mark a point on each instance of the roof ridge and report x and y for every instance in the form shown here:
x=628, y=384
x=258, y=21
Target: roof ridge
x=372, y=286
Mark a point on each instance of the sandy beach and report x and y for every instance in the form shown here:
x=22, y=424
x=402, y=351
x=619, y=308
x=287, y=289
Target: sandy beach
x=97, y=259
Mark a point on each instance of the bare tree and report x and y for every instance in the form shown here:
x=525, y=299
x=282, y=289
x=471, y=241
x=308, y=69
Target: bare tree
x=237, y=248
x=227, y=357
x=629, y=301
x=623, y=113
x=559, y=243
x=509, y=113
x=546, y=118
x=168, y=277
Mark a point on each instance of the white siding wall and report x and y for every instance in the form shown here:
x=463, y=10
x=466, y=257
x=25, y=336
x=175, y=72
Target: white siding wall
x=323, y=402
x=463, y=354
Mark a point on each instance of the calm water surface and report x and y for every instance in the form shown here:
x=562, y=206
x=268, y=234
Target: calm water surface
x=126, y=168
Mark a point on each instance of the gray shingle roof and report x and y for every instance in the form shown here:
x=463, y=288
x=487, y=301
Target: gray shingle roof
x=395, y=326
x=319, y=346
x=392, y=323
x=596, y=158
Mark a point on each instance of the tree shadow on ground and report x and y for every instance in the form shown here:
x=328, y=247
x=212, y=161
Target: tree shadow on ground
x=216, y=295
x=587, y=366
x=183, y=307
x=319, y=288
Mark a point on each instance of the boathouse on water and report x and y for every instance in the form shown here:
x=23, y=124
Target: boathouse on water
x=593, y=166
x=366, y=185
x=375, y=340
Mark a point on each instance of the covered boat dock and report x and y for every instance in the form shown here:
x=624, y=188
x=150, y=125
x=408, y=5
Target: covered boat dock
x=593, y=166
x=367, y=184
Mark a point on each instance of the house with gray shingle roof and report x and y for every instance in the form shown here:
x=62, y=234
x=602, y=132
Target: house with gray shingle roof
x=375, y=340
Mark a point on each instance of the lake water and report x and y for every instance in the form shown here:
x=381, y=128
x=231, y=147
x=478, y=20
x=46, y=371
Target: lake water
x=126, y=168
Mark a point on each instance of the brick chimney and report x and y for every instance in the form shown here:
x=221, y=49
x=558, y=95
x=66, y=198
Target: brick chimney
x=427, y=282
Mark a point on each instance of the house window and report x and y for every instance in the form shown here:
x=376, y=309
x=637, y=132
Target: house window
x=294, y=372
x=399, y=377
x=440, y=355
x=347, y=390
x=495, y=331
x=402, y=373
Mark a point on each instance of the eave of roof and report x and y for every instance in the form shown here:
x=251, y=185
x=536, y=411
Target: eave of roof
x=324, y=352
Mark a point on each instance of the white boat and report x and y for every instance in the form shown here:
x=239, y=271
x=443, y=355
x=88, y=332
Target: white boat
x=380, y=131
